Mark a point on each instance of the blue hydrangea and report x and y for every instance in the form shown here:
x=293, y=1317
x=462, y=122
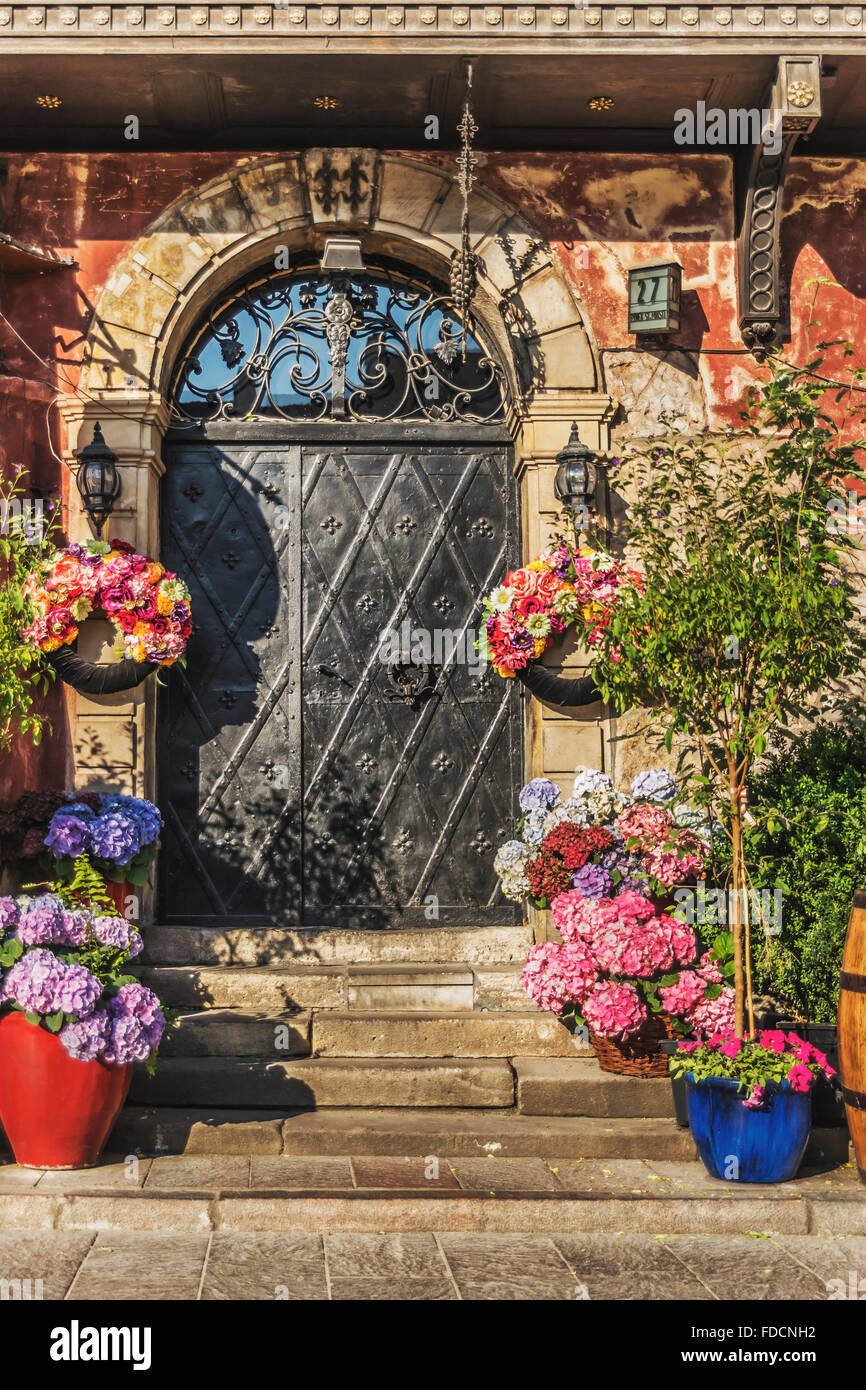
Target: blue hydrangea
x=588, y=780
x=655, y=785
x=538, y=793
x=533, y=830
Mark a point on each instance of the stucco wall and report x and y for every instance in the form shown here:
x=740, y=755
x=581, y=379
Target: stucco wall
x=601, y=213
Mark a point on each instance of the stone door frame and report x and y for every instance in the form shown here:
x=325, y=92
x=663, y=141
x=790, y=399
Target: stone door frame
x=212, y=236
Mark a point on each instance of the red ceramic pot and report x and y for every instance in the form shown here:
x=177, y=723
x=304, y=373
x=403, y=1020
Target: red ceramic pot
x=57, y=1112
x=118, y=893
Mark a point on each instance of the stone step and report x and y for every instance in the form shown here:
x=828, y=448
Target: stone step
x=498, y=986
x=318, y=946
x=191, y=986
x=442, y=1034
x=415, y=1132
x=326, y=1081
x=238, y=1033
x=549, y=1195
x=578, y=1086
x=409, y=987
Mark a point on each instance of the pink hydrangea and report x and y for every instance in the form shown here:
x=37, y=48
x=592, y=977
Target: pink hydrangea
x=679, y=999
x=713, y=1015
x=683, y=939
x=613, y=1010
x=641, y=951
x=576, y=916
x=555, y=975
x=649, y=824
x=671, y=866
x=708, y=969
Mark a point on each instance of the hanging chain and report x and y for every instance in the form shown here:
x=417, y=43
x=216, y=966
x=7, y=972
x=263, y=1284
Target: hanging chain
x=464, y=264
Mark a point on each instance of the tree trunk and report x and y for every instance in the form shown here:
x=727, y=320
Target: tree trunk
x=737, y=876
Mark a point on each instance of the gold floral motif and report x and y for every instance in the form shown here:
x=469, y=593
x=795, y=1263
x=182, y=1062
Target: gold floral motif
x=800, y=94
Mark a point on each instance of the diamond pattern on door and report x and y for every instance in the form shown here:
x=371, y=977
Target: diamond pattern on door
x=299, y=781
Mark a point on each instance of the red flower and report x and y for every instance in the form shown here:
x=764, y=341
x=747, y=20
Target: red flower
x=530, y=604
x=122, y=546
x=125, y=619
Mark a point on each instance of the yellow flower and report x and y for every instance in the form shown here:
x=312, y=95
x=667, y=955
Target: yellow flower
x=540, y=644
x=51, y=644
x=501, y=671
x=535, y=565
x=141, y=629
x=163, y=604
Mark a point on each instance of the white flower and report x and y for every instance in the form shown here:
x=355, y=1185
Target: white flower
x=500, y=599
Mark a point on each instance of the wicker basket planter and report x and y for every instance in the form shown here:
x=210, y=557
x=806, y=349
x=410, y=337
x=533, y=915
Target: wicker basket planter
x=637, y=1055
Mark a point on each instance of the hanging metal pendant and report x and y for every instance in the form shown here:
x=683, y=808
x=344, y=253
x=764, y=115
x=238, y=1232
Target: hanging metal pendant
x=464, y=263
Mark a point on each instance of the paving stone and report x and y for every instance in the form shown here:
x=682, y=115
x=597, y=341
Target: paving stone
x=624, y=1175
x=385, y=1290
x=264, y=1266
x=240, y=987
x=693, y=1177
x=194, y=1174
x=525, y=1290
x=505, y=1174
x=52, y=1256
x=392, y=1257
x=119, y=1267
x=139, y=1212
x=743, y=1268
x=837, y=1217
x=632, y=1267
x=522, y=1262
x=402, y=1173
x=300, y=1172
x=334, y=945
x=499, y=987
x=123, y=1174
x=410, y=987
x=15, y=1179
x=831, y=1259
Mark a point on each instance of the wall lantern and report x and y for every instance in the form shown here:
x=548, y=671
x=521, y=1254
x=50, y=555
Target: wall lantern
x=98, y=480
x=578, y=473
x=654, y=295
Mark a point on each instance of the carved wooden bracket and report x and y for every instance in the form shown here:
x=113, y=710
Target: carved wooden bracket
x=794, y=107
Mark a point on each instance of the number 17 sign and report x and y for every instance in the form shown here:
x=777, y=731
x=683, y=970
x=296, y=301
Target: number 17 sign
x=654, y=292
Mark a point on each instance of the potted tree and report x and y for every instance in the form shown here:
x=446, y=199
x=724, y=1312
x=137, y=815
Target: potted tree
x=745, y=612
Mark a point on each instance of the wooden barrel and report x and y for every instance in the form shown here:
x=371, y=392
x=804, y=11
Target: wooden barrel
x=852, y=1029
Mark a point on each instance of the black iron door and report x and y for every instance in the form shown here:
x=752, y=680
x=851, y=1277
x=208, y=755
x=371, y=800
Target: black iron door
x=333, y=753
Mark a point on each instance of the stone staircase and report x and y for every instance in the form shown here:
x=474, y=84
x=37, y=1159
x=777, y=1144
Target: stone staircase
x=405, y=1041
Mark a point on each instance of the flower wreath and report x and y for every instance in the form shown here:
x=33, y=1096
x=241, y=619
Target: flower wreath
x=149, y=607
x=564, y=587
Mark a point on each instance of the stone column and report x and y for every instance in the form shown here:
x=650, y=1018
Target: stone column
x=557, y=739
x=113, y=736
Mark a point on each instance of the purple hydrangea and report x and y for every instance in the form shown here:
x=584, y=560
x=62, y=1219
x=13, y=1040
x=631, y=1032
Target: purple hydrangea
x=9, y=915
x=592, y=881
x=111, y=930
x=140, y=813
x=655, y=785
x=539, y=794
x=77, y=991
x=87, y=1038
x=137, y=1025
x=41, y=921
x=115, y=837
x=69, y=831
x=32, y=982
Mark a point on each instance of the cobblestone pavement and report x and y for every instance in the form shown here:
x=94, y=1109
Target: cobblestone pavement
x=119, y=1265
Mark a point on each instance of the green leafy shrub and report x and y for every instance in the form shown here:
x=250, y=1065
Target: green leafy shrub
x=809, y=841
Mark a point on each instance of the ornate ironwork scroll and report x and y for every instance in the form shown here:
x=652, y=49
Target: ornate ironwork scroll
x=377, y=345
x=794, y=107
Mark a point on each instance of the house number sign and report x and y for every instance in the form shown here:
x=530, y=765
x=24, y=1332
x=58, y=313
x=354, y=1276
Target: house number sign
x=654, y=293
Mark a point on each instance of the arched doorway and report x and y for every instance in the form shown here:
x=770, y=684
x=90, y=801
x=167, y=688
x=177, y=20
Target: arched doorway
x=338, y=491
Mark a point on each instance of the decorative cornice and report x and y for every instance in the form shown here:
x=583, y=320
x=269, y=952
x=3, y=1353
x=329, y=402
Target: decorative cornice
x=502, y=23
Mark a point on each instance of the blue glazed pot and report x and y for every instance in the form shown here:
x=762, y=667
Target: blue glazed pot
x=767, y=1144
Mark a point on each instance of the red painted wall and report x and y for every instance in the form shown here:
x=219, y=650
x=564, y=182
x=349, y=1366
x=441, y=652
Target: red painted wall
x=603, y=213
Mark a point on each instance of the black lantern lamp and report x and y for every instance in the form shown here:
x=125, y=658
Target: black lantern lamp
x=98, y=479
x=577, y=474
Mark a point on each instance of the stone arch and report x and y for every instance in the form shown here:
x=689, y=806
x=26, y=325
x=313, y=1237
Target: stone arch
x=210, y=236
x=207, y=240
